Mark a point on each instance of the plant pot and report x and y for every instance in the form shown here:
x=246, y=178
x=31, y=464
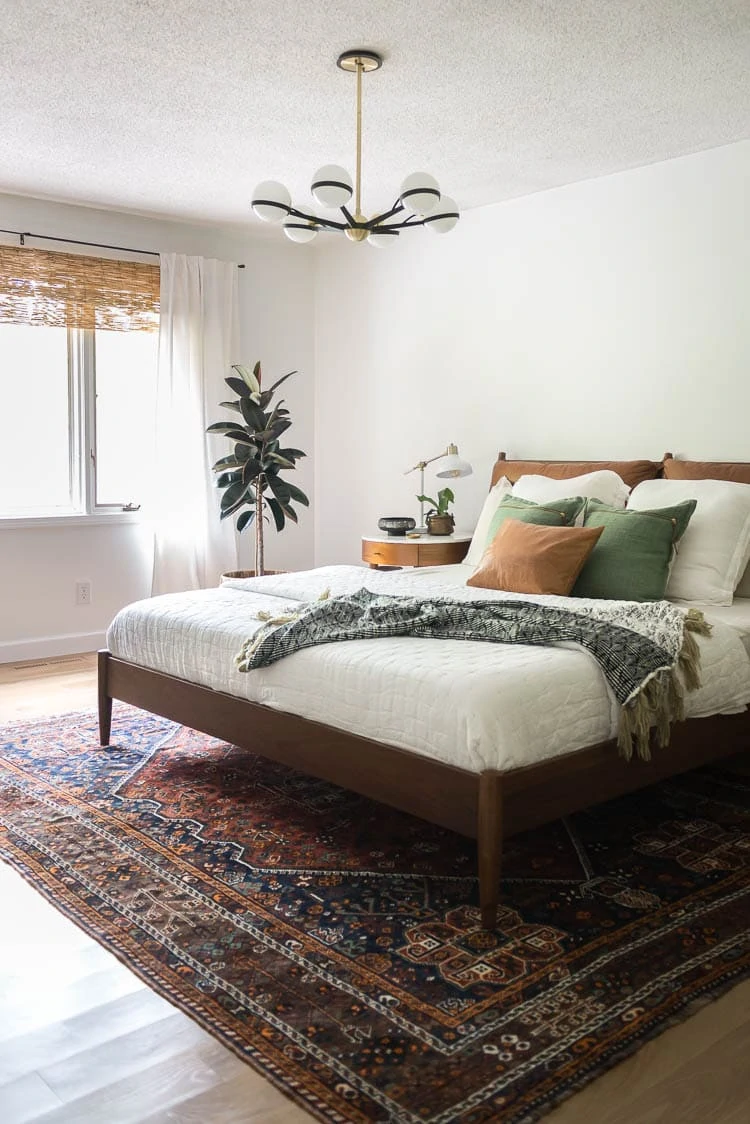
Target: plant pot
x=232, y=575
x=440, y=524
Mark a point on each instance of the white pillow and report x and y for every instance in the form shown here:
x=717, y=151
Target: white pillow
x=715, y=549
x=603, y=485
x=482, y=529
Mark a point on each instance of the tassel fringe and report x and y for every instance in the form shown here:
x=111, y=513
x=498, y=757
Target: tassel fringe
x=660, y=701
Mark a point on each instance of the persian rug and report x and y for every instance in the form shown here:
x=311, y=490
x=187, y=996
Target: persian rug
x=336, y=945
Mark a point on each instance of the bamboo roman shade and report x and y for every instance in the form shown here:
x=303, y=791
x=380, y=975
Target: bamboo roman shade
x=46, y=288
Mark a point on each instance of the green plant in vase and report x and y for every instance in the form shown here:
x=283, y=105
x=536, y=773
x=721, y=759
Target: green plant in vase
x=252, y=475
x=438, y=519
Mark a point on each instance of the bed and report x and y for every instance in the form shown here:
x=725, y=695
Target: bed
x=418, y=724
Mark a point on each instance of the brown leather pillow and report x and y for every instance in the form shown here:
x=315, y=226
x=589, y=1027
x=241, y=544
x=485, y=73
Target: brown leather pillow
x=632, y=472
x=738, y=471
x=530, y=558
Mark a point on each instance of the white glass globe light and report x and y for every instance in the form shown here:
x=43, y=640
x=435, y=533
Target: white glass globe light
x=299, y=230
x=445, y=216
x=271, y=201
x=419, y=193
x=382, y=238
x=332, y=186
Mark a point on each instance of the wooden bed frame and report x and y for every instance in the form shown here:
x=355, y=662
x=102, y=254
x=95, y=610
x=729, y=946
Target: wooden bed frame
x=487, y=806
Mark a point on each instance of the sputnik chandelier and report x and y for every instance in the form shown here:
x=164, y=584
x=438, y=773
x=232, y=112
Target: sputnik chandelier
x=419, y=198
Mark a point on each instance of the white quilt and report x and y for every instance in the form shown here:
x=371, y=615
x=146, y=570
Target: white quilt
x=468, y=703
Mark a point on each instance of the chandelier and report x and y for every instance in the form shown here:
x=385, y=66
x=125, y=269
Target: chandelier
x=419, y=201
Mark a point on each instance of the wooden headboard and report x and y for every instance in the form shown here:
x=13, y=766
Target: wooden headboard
x=675, y=469
x=632, y=472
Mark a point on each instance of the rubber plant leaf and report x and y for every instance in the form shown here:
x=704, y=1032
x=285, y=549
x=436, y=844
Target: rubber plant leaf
x=234, y=493
x=278, y=515
x=250, y=378
x=226, y=479
x=250, y=470
x=239, y=387
x=224, y=463
x=253, y=415
x=297, y=495
x=280, y=381
x=281, y=460
x=228, y=428
x=279, y=488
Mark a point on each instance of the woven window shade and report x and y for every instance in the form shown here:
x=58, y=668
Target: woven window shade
x=50, y=289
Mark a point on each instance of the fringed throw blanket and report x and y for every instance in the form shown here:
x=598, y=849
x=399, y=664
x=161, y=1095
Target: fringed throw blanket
x=647, y=651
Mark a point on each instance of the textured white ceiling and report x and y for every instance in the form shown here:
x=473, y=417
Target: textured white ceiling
x=179, y=107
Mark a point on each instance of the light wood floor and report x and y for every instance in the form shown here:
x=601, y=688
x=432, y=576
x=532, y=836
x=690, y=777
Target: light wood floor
x=83, y=1040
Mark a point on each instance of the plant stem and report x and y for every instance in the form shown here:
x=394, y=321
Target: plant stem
x=259, y=527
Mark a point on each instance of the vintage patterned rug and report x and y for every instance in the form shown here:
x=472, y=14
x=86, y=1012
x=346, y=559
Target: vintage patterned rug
x=335, y=944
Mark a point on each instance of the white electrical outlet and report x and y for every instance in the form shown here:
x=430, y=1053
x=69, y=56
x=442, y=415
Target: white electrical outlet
x=83, y=593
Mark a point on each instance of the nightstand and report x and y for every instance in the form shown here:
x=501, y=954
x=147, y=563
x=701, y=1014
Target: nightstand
x=385, y=551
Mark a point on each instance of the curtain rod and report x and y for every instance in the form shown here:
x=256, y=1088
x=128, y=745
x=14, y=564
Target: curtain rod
x=76, y=242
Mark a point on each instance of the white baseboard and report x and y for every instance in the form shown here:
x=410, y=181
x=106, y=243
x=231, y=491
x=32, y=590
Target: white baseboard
x=47, y=647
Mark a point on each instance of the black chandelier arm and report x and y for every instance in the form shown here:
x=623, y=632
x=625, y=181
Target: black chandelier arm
x=414, y=220
x=315, y=220
x=351, y=221
x=378, y=220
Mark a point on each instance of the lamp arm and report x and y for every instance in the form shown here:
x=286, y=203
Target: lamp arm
x=423, y=464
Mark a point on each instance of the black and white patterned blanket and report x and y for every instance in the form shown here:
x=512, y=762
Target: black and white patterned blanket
x=639, y=645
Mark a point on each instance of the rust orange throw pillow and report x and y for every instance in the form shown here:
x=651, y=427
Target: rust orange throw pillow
x=529, y=558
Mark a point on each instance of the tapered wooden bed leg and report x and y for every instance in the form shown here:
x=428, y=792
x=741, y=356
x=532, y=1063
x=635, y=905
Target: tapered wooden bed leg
x=105, y=699
x=489, y=844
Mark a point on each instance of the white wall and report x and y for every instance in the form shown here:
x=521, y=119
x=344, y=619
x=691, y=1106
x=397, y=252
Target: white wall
x=39, y=566
x=605, y=319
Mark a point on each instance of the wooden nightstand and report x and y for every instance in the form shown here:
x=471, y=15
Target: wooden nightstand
x=385, y=551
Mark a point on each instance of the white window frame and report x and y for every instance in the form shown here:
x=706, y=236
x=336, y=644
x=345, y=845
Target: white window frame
x=82, y=448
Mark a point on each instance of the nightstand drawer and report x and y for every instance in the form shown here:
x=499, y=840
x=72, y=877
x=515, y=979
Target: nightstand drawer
x=441, y=553
x=390, y=554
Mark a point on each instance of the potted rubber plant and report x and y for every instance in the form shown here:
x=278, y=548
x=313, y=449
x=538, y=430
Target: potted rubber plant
x=252, y=476
x=438, y=519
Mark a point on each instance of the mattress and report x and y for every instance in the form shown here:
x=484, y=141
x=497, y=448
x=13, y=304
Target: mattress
x=467, y=703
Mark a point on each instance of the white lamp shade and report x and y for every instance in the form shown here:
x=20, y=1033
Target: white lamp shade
x=332, y=186
x=382, y=238
x=419, y=193
x=444, y=217
x=271, y=201
x=299, y=230
x=452, y=465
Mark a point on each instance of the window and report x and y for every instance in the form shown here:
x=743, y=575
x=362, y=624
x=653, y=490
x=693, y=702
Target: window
x=78, y=353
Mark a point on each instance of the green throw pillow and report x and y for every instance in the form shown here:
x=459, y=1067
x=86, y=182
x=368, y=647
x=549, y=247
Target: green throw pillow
x=559, y=513
x=633, y=556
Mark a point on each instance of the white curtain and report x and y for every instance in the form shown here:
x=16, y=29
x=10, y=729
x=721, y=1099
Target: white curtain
x=198, y=334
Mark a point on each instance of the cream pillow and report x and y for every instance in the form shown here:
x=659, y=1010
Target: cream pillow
x=486, y=515
x=715, y=549
x=604, y=485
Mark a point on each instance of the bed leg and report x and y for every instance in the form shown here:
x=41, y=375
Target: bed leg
x=105, y=699
x=489, y=844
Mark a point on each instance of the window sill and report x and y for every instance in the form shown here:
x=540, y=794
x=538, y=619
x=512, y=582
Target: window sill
x=26, y=522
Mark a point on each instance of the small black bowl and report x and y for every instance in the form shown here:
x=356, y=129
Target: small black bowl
x=397, y=524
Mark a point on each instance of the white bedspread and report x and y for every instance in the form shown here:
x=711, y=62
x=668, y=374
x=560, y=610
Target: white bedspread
x=469, y=703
